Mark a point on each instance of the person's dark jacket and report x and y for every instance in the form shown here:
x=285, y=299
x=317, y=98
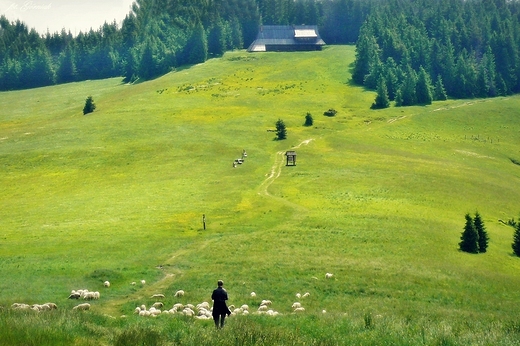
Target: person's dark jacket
x=219, y=297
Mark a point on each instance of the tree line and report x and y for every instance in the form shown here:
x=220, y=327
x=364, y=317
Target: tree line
x=413, y=52
x=160, y=35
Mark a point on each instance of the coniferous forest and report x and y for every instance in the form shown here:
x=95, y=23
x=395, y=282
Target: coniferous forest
x=413, y=52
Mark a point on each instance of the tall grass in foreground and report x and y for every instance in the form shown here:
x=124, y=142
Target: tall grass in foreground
x=68, y=328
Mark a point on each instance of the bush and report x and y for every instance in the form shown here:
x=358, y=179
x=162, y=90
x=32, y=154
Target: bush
x=331, y=112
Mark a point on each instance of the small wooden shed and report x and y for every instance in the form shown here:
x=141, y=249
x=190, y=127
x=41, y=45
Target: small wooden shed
x=291, y=158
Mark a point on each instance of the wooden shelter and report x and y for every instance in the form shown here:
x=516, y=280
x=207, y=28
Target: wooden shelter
x=291, y=158
x=287, y=38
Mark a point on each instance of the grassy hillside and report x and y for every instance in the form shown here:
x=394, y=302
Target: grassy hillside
x=377, y=197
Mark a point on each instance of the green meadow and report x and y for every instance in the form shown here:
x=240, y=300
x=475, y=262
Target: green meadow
x=377, y=198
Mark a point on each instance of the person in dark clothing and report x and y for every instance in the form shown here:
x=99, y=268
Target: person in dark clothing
x=220, y=309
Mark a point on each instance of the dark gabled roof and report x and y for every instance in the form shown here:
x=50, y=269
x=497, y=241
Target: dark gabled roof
x=286, y=36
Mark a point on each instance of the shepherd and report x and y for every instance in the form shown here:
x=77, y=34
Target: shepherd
x=220, y=309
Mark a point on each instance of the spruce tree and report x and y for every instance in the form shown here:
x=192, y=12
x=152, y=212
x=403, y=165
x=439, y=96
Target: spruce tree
x=308, y=119
x=440, y=91
x=382, y=100
x=516, y=240
x=281, y=131
x=483, y=238
x=469, y=238
x=89, y=105
x=423, y=88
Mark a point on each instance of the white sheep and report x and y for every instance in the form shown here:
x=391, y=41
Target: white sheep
x=52, y=306
x=253, y=294
x=265, y=302
x=158, y=305
x=296, y=305
x=106, y=284
x=133, y=283
x=178, y=306
x=158, y=295
x=262, y=308
x=245, y=307
x=20, y=306
x=83, y=307
x=300, y=309
x=179, y=293
x=329, y=276
x=143, y=282
x=306, y=295
x=203, y=305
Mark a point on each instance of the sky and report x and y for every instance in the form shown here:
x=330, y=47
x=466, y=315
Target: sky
x=73, y=15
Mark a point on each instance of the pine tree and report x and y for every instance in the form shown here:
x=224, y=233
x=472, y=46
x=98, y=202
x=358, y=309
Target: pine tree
x=308, y=119
x=281, y=130
x=469, y=238
x=440, y=91
x=89, y=105
x=381, y=100
x=423, y=90
x=516, y=240
x=483, y=237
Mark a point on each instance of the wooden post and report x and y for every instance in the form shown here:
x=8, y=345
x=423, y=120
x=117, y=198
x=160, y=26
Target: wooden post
x=204, y=221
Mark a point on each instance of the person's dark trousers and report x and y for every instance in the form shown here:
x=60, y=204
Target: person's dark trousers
x=222, y=319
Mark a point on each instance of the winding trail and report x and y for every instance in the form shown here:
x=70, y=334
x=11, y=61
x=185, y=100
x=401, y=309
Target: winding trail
x=275, y=172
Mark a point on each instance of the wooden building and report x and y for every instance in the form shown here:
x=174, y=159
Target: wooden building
x=287, y=38
x=291, y=158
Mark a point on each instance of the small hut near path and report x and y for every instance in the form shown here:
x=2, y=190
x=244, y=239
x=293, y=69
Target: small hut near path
x=291, y=158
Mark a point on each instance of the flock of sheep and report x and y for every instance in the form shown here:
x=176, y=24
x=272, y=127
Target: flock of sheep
x=203, y=310
x=199, y=311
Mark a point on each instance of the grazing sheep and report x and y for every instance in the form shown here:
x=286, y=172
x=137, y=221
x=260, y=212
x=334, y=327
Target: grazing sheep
x=329, y=276
x=298, y=295
x=133, y=283
x=296, y=305
x=178, y=306
x=74, y=295
x=106, y=284
x=158, y=295
x=265, y=302
x=52, y=306
x=253, y=294
x=324, y=311
x=300, y=309
x=20, y=306
x=262, y=308
x=179, y=293
x=158, y=305
x=82, y=307
x=314, y=278
x=203, y=305
x=143, y=282
x=306, y=295
x=245, y=307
